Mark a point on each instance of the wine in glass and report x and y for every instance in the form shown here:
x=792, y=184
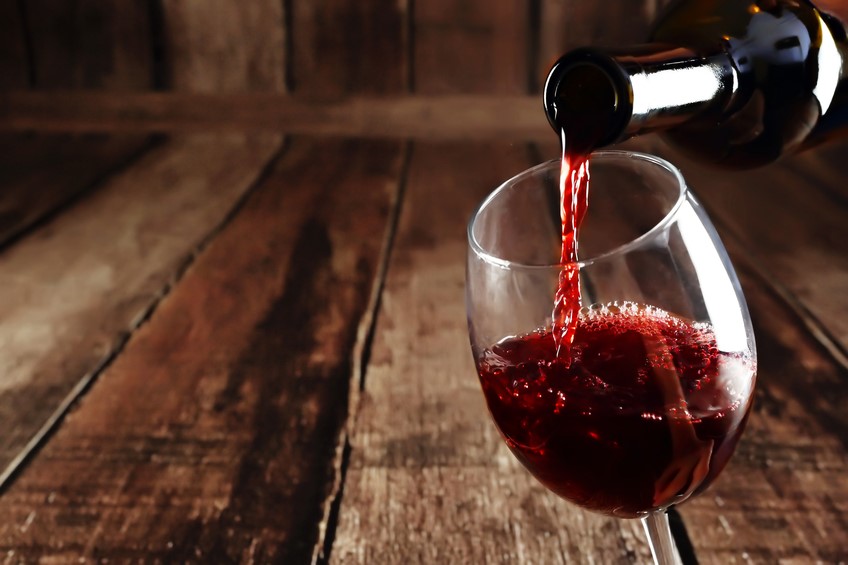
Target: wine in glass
x=647, y=405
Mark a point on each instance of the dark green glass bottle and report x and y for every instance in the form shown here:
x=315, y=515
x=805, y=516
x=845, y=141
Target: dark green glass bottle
x=736, y=83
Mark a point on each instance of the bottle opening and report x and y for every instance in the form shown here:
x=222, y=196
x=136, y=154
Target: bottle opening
x=584, y=88
x=586, y=97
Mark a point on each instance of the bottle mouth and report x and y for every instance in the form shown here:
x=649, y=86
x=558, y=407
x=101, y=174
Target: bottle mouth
x=587, y=89
x=601, y=96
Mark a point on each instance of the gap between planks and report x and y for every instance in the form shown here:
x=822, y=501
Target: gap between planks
x=360, y=356
x=51, y=424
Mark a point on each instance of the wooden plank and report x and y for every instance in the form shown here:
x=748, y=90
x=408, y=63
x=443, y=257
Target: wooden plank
x=429, y=479
x=567, y=24
x=441, y=117
x=42, y=173
x=790, y=217
x=89, y=44
x=74, y=288
x=784, y=496
x=471, y=47
x=224, y=45
x=342, y=47
x=14, y=60
x=209, y=438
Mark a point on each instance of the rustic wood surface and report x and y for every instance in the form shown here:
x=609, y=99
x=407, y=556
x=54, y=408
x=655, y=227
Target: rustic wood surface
x=430, y=480
x=74, y=288
x=83, y=297
x=222, y=45
x=231, y=346
x=14, y=52
x=40, y=174
x=425, y=477
x=223, y=410
x=472, y=47
x=342, y=47
x=771, y=219
x=427, y=117
x=88, y=44
x=566, y=24
x=784, y=496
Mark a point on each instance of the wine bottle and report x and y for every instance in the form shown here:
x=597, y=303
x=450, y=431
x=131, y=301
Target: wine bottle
x=735, y=83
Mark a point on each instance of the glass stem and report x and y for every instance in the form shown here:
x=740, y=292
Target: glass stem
x=659, y=538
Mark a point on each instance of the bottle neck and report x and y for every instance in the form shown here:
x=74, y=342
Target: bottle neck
x=625, y=93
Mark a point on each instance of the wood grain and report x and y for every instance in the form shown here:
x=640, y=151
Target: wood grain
x=430, y=480
x=42, y=173
x=209, y=439
x=224, y=45
x=73, y=289
x=219, y=432
x=341, y=47
x=784, y=496
x=439, y=117
x=471, y=47
x=567, y=24
x=89, y=44
x=791, y=219
x=14, y=59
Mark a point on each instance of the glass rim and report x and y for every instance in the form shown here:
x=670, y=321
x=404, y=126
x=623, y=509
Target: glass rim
x=581, y=263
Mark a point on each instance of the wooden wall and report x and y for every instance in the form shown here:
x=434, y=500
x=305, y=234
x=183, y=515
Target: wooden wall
x=321, y=48
x=294, y=65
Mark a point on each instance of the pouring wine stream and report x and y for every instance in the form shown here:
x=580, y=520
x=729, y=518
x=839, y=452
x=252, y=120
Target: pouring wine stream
x=692, y=463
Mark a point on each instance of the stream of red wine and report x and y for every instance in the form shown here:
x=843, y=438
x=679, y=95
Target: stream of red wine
x=574, y=194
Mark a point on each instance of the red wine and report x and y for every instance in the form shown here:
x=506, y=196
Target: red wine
x=580, y=132
x=574, y=191
x=645, y=412
x=582, y=128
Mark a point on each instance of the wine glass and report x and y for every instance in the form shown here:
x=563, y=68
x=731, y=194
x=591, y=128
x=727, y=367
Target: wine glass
x=650, y=402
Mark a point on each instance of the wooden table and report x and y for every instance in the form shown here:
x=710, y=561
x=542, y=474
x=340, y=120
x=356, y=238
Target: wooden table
x=232, y=325
x=239, y=347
